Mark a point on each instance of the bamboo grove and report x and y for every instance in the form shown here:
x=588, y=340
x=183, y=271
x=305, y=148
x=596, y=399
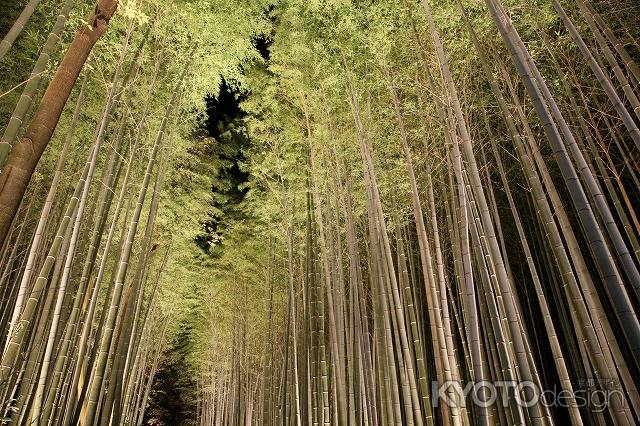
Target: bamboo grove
x=419, y=212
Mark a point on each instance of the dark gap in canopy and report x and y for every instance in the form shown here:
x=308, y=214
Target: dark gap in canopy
x=223, y=109
x=262, y=42
x=225, y=125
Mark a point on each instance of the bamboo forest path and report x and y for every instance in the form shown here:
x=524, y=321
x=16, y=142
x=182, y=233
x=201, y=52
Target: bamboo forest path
x=319, y=212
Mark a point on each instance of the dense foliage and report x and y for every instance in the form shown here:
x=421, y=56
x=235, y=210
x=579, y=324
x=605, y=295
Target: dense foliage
x=308, y=212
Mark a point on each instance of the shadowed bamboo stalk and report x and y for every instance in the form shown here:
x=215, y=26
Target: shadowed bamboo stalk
x=17, y=27
x=607, y=269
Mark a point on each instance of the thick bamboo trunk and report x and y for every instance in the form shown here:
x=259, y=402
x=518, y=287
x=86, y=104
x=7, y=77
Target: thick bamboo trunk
x=25, y=155
x=46, y=209
x=26, y=100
